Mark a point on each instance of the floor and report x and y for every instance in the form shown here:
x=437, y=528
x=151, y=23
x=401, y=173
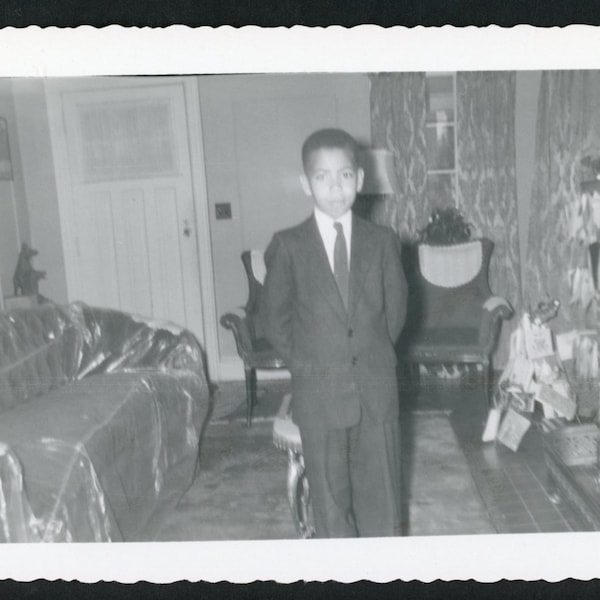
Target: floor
x=244, y=474
x=240, y=490
x=513, y=485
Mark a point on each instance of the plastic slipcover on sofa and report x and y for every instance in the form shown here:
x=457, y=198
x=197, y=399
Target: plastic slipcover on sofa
x=101, y=415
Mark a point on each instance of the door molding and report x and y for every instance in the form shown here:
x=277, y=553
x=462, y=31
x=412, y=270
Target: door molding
x=54, y=90
x=203, y=237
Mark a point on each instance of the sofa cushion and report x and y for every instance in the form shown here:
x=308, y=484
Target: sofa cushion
x=96, y=455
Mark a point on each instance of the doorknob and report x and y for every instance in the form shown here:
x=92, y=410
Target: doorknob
x=186, y=228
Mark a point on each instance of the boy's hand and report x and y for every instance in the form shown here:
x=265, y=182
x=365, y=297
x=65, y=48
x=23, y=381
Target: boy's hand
x=395, y=287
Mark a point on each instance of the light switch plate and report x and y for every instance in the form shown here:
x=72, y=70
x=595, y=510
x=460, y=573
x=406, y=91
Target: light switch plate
x=223, y=210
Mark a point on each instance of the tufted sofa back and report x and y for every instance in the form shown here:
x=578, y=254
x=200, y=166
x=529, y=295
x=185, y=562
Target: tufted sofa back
x=37, y=353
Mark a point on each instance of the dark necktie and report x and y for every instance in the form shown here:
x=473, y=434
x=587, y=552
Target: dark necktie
x=340, y=263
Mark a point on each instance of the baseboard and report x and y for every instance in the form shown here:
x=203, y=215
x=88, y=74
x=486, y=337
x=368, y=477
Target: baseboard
x=232, y=369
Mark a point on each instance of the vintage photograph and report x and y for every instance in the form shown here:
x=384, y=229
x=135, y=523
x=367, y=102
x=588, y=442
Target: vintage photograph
x=283, y=306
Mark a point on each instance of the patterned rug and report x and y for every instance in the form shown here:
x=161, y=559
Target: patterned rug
x=442, y=496
x=230, y=401
x=240, y=492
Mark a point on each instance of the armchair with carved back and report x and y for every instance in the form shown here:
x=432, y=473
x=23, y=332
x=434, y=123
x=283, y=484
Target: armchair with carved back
x=453, y=315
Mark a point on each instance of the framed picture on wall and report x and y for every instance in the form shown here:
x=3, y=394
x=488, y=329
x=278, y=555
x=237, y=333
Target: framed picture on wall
x=5, y=162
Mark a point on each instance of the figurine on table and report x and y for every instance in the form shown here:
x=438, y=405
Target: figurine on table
x=26, y=278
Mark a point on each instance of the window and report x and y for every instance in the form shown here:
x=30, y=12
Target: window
x=440, y=138
x=127, y=141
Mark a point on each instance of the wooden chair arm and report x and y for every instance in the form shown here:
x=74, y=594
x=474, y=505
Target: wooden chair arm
x=495, y=309
x=231, y=321
x=498, y=304
x=241, y=333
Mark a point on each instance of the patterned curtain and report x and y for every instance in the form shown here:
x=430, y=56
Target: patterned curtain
x=568, y=128
x=398, y=114
x=486, y=178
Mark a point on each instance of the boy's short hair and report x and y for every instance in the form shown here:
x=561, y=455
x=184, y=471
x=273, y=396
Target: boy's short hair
x=329, y=138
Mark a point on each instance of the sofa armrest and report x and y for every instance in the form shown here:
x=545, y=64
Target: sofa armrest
x=495, y=309
x=112, y=341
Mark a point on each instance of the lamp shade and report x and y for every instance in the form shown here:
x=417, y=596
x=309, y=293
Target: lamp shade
x=380, y=175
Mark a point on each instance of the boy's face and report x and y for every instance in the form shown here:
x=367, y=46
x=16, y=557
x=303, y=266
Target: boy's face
x=332, y=180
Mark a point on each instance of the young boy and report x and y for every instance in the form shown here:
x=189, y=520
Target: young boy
x=334, y=304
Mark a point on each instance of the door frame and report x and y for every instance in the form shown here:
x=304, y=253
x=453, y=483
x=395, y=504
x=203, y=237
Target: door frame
x=54, y=89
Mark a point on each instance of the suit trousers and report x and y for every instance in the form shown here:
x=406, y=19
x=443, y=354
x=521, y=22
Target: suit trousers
x=354, y=476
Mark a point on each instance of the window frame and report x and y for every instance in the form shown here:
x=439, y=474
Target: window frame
x=429, y=75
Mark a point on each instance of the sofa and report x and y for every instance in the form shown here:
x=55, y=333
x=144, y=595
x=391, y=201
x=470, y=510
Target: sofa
x=101, y=418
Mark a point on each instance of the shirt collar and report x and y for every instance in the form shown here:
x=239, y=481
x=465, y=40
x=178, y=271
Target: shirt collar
x=325, y=221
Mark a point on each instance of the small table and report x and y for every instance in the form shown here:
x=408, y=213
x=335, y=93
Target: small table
x=17, y=302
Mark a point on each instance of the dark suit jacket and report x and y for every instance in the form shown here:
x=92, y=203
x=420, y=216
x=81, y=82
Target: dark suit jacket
x=340, y=360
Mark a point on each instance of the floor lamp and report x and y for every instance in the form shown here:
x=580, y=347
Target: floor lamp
x=379, y=184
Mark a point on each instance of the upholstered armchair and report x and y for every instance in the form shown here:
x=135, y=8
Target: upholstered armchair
x=254, y=350
x=453, y=315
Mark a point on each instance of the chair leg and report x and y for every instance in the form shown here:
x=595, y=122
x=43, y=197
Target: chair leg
x=415, y=372
x=487, y=381
x=299, y=494
x=250, y=374
x=415, y=381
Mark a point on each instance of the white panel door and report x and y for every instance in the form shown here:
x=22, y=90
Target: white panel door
x=130, y=212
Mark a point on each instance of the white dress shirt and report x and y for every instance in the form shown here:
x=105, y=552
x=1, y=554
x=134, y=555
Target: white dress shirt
x=328, y=233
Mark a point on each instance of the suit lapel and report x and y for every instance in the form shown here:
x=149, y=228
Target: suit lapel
x=320, y=269
x=360, y=261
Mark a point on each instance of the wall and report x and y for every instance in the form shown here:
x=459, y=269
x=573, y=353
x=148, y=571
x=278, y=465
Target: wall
x=40, y=184
x=528, y=87
x=253, y=127
x=14, y=220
